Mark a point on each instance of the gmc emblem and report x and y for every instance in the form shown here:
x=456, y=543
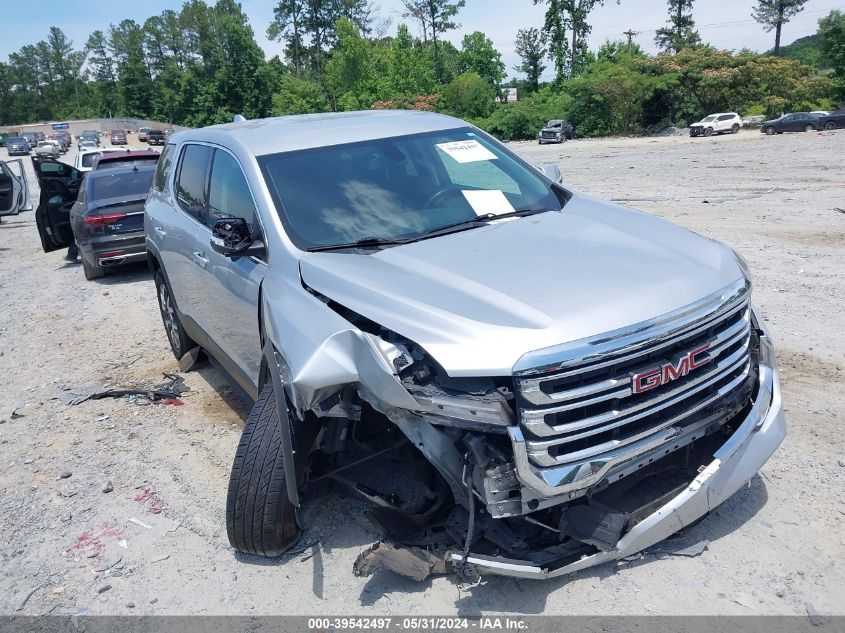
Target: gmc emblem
x=667, y=372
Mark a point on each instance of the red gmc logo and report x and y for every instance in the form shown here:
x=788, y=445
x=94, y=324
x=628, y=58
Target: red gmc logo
x=667, y=372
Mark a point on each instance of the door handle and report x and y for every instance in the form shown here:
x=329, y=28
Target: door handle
x=199, y=260
x=159, y=231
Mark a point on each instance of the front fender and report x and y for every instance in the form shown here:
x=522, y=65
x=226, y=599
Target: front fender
x=320, y=351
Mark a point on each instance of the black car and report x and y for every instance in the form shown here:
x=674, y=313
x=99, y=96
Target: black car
x=795, y=122
x=156, y=137
x=89, y=135
x=556, y=131
x=103, y=211
x=17, y=145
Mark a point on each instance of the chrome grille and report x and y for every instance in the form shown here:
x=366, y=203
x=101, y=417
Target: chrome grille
x=576, y=409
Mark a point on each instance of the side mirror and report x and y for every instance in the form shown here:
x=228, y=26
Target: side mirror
x=231, y=237
x=551, y=171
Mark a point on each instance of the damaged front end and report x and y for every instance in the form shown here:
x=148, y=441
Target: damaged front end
x=589, y=452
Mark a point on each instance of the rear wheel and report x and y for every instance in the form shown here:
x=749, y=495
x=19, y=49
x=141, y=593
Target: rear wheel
x=260, y=519
x=830, y=125
x=180, y=342
x=809, y=128
x=92, y=271
x=735, y=128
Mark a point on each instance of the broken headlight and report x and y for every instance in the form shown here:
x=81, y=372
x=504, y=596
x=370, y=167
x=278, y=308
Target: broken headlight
x=482, y=404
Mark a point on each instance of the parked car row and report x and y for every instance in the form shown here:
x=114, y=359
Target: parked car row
x=805, y=122
x=99, y=205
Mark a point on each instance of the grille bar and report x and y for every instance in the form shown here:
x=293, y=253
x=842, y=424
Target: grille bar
x=535, y=420
x=539, y=450
x=575, y=406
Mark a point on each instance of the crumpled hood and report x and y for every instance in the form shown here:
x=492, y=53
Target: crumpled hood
x=480, y=299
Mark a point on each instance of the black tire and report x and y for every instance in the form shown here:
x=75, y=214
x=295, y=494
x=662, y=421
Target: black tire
x=92, y=271
x=809, y=128
x=830, y=125
x=180, y=342
x=260, y=519
x=770, y=131
x=708, y=131
x=735, y=128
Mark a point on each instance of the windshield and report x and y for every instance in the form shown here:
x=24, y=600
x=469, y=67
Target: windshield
x=708, y=118
x=398, y=188
x=121, y=184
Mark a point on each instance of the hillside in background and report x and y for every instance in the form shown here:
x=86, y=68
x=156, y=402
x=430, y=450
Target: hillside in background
x=807, y=50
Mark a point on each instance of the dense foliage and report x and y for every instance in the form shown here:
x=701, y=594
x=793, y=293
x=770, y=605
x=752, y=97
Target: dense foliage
x=201, y=64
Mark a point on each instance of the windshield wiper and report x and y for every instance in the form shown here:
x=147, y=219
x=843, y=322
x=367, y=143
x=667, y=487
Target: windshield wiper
x=480, y=220
x=365, y=242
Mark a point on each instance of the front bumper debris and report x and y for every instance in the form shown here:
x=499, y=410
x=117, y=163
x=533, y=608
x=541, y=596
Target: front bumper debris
x=733, y=465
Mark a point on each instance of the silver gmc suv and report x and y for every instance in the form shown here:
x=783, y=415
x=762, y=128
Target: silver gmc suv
x=559, y=381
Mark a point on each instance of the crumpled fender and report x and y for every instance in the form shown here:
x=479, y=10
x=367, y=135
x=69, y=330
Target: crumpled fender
x=322, y=351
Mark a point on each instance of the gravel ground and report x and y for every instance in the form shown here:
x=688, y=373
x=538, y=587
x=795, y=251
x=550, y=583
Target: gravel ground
x=156, y=543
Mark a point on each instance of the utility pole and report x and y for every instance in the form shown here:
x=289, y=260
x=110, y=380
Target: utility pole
x=630, y=35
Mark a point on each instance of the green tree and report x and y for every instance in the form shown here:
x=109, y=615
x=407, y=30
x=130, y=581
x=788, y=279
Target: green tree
x=436, y=16
x=680, y=32
x=410, y=70
x=288, y=25
x=469, y=95
x=832, y=31
x=530, y=45
x=478, y=55
x=349, y=72
x=568, y=16
x=299, y=96
x=126, y=42
x=610, y=97
x=773, y=14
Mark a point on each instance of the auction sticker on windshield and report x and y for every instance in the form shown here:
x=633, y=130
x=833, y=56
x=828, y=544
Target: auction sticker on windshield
x=470, y=151
x=484, y=201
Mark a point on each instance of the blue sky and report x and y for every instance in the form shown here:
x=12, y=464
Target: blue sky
x=723, y=23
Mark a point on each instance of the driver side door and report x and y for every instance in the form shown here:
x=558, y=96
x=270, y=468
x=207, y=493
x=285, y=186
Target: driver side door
x=59, y=184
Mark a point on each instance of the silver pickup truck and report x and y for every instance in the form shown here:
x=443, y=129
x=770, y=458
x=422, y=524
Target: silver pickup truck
x=569, y=381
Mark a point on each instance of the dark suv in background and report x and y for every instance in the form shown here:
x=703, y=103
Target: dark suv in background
x=17, y=145
x=156, y=137
x=556, y=131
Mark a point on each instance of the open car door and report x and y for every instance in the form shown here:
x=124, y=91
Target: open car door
x=14, y=192
x=59, y=184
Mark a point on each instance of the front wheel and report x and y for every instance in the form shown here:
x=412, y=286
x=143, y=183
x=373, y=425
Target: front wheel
x=260, y=519
x=770, y=131
x=708, y=132
x=809, y=128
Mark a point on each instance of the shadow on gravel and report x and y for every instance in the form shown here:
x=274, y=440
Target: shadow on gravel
x=126, y=274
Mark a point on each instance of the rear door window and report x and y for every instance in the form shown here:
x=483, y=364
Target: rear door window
x=191, y=180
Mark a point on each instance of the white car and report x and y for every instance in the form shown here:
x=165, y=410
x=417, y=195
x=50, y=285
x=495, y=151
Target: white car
x=47, y=149
x=85, y=158
x=14, y=192
x=719, y=123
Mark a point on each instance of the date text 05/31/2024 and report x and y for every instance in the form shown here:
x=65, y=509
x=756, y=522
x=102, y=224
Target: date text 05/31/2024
x=420, y=623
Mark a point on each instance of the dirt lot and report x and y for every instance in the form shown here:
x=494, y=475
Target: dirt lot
x=776, y=547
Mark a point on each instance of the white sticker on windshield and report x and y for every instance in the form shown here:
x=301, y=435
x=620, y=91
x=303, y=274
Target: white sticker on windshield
x=487, y=201
x=470, y=151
